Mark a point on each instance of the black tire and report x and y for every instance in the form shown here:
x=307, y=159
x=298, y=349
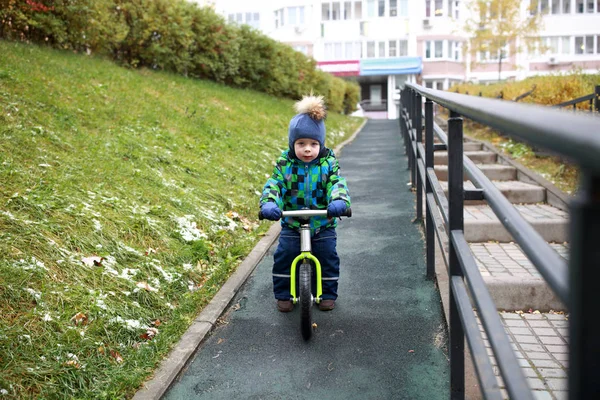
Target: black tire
x=304, y=279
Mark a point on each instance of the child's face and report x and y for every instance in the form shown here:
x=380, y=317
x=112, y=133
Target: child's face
x=306, y=149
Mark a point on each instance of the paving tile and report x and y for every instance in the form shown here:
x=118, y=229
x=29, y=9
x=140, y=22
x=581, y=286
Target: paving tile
x=535, y=383
x=507, y=315
x=544, y=331
x=557, y=384
x=560, y=395
x=555, y=340
x=557, y=349
x=538, y=356
x=552, y=372
x=515, y=323
x=521, y=331
x=541, y=323
x=545, y=364
x=542, y=395
x=531, y=347
x=526, y=339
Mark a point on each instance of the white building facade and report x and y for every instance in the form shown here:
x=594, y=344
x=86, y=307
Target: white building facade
x=383, y=43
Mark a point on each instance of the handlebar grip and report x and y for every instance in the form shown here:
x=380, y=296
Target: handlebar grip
x=347, y=213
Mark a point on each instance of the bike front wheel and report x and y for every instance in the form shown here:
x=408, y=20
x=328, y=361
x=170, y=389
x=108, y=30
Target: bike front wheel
x=304, y=282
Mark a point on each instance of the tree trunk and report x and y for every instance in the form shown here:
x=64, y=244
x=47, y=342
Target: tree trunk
x=500, y=66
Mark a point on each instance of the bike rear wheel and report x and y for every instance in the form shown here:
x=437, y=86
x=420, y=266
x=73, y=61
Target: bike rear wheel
x=304, y=282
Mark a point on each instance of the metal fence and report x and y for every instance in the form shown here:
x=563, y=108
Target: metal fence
x=576, y=137
x=593, y=99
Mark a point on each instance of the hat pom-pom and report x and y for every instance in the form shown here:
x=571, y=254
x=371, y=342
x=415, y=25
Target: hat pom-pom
x=314, y=106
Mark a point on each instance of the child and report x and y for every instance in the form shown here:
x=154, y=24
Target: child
x=306, y=176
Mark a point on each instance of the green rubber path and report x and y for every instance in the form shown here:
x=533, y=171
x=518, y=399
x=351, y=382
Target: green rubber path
x=386, y=337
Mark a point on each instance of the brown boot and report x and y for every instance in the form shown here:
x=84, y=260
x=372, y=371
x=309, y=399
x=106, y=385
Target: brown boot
x=326, y=305
x=285, y=305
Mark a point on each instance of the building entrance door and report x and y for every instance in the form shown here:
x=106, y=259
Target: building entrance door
x=375, y=95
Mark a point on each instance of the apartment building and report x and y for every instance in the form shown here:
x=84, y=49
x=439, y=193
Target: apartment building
x=383, y=43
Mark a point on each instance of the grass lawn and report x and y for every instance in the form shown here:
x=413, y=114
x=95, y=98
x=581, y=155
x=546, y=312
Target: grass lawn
x=127, y=198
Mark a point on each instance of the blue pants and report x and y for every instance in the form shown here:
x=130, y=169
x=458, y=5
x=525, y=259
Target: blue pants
x=323, y=247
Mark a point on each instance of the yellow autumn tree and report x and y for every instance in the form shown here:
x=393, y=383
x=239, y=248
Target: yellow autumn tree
x=497, y=26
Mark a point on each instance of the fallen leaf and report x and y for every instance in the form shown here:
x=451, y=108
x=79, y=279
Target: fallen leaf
x=221, y=340
x=73, y=363
x=115, y=354
x=101, y=350
x=411, y=351
x=157, y=323
x=150, y=333
x=92, y=261
x=536, y=312
x=145, y=285
x=314, y=325
x=79, y=318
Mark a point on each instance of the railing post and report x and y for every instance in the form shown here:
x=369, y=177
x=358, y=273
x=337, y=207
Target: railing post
x=584, y=275
x=597, y=98
x=430, y=229
x=409, y=109
x=456, y=222
x=418, y=140
x=413, y=138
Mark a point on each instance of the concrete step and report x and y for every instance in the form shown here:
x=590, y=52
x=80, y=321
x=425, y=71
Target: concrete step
x=495, y=172
x=516, y=192
x=513, y=281
x=482, y=225
x=467, y=146
x=478, y=157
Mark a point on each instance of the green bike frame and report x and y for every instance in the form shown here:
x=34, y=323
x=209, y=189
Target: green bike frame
x=303, y=256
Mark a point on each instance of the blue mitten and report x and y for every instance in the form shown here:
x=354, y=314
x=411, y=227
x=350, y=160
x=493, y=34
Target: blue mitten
x=336, y=208
x=270, y=211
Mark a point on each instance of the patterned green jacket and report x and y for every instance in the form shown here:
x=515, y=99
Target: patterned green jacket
x=295, y=185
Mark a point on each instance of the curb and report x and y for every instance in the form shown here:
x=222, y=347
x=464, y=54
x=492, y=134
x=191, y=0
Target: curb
x=178, y=357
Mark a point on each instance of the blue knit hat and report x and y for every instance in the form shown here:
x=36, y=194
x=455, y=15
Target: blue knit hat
x=309, y=122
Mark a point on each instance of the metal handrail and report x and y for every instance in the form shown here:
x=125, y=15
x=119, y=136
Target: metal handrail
x=576, y=139
x=591, y=98
x=572, y=136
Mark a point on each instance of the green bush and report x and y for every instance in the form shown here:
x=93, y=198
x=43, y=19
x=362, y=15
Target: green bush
x=351, y=97
x=175, y=36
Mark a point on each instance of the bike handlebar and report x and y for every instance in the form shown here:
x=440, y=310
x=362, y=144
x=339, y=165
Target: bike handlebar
x=308, y=213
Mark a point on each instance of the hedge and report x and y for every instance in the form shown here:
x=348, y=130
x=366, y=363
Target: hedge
x=175, y=36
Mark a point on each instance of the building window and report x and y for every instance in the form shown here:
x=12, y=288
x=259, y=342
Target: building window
x=587, y=6
x=441, y=50
x=381, y=8
x=335, y=11
x=454, y=51
x=302, y=49
x=393, y=8
x=252, y=19
x=435, y=8
x=487, y=56
x=279, y=21
x=371, y=9
x=403, y=48
x=296, y=15
x=393, y=49
x=358, y=9
x=381, y=53
x=545, y=7
x=434, y=84
x=325, y=12
x=370, y=49
x=347, y=10
x=403, y=8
